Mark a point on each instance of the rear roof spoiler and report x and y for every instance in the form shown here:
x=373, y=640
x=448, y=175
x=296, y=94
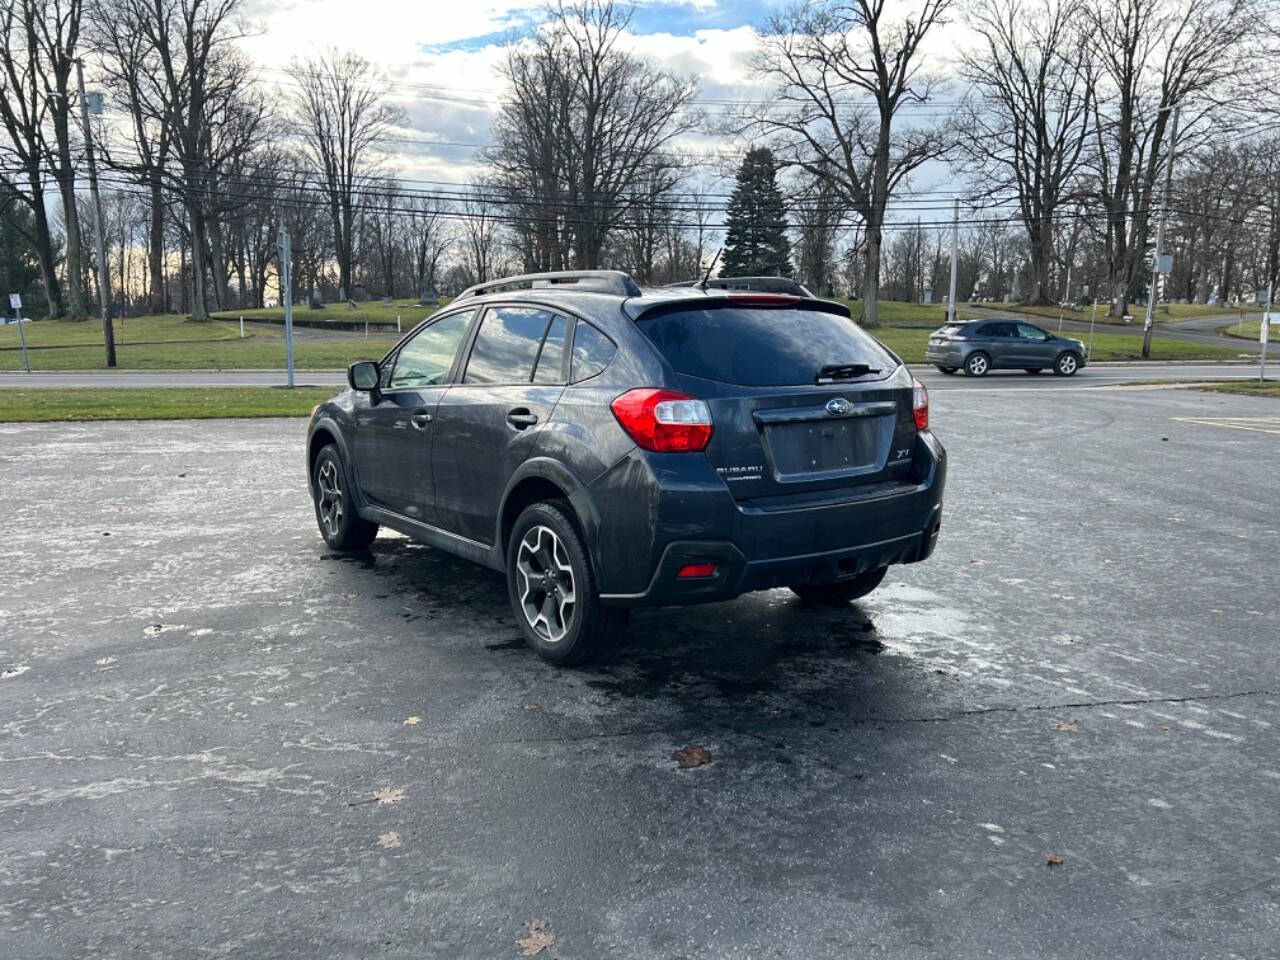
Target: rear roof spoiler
x=767, y=301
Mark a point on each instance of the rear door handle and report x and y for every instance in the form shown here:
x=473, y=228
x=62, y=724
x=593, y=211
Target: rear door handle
x=421, y=418
x=521, y=418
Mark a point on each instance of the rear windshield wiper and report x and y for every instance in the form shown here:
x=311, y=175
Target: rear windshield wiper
x=843, y=371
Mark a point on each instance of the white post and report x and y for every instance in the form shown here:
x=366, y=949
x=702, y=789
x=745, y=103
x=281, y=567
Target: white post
x=366, y=328
x=16, y=301
x=1066, y=293
x=286, y=294
x=397, y=323
x=955, y=247
x=1164, y=209
x=242, y=328
x=1092, y=320
x=1263, y=335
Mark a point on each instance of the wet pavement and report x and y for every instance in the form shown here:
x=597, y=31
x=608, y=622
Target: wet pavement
x=199, y=711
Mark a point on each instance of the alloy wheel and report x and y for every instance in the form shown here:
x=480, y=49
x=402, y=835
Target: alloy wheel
x=978, y=366
x=1067, y=365
x=545, y=583
x=329, y=500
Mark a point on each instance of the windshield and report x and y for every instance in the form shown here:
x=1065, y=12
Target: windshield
x=763, y=347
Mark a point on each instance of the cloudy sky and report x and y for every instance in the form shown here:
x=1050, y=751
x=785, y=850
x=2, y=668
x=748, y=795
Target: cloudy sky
x=441, y=57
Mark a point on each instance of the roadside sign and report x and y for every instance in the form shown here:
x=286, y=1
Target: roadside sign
x=1166, y=263
x=15, y=301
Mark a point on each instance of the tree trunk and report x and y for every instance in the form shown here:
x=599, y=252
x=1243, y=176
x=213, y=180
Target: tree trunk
x=199, y=300
x=155, y=250
x=44, y=253
x=871, y=279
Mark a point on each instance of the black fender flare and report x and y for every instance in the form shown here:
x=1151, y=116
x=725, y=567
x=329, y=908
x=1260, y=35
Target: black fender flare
x=327, y=425
x=579, y=497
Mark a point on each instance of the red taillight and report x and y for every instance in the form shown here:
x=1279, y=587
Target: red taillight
x=763, y=299
x=920, y=404
x=697, y=571
x=663, y=420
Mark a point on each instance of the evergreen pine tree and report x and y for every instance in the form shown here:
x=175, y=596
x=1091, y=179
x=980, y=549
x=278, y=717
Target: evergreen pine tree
x=757, y=243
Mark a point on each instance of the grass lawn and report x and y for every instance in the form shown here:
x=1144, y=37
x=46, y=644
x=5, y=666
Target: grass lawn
x=172, y=343
x=375, y=310
x=160, y=403
x=1164, y=312
x=1252, y=329
x=1252, y=388
x=909, y=344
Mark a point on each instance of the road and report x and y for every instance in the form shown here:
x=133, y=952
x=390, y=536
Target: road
x=198, y=711
x=1102, y=374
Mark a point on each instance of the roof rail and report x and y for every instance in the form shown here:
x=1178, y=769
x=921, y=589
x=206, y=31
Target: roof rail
x=598, y=281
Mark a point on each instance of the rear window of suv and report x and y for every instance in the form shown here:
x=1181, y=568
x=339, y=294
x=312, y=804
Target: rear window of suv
x=761, y=347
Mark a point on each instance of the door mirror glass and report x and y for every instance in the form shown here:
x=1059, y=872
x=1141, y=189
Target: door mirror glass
x=363, y=375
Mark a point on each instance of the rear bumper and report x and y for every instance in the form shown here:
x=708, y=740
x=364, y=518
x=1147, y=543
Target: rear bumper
x=946, y=356
x=760, y=547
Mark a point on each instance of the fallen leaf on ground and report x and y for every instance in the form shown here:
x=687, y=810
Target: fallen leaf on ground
x=1066, y=726
x=388, y=795
x=181, y=475
x=412, y=721
x=531, y=706
x=786, y=665
x=1164, y=726
x=975, y=560
x=13, y=671
x=389, y=841
x=1052, y=860
x=1200, y=686
x=770, y=711
x=105, y=661
x=691, y=756
x=537, y=939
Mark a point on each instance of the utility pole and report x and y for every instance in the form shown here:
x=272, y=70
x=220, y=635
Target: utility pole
x=955, y=248
x=286, y=297
x=1264, y=336
x=104, y=292
x=1066, y=295
x=1164, y=210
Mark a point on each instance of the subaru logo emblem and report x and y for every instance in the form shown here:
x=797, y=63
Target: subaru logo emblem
x=838, y=406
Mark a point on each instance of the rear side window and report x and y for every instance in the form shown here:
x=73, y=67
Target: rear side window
x=998, y=330
x=507, y=345
x=761, y=347
x=551, y=360
x=955, y=330
x=592, y=351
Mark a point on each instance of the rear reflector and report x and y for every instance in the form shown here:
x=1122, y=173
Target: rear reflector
x=920, y=404
x=663, y=420
x=696, y=571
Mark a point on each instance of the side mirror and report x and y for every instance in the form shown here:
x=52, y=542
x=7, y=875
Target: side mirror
x=363, y=375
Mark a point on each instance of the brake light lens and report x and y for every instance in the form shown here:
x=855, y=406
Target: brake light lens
x=920, y=404
x=697, y=571
x=663, y=420
x=764, y=299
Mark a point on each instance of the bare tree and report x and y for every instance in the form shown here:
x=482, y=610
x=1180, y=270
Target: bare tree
x=481, y=238
x=1027, y=124
x=1153, y=56
x=583, y=125
x=843, y=72
x=24, y=110
x=428, y=237
x=344, y=118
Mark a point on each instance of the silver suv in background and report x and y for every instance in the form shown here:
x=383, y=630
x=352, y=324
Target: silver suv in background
x=979, y=346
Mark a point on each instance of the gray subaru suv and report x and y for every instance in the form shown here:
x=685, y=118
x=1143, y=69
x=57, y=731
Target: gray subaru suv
x=608, y=447
x=979, y=346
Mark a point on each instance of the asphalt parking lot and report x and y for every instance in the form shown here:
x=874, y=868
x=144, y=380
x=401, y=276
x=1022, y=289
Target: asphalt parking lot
x=199, y=706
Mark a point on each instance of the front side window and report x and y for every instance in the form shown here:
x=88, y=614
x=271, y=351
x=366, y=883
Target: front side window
x=1027, y=332
x=425, y=360
x=507, y=345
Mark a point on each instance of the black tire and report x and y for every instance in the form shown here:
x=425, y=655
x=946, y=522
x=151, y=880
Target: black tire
x=842, y=591
x=545, y=545
x=340, y=525
x=1067, y=364
x=977, y=364
x=947, y=370
x=1034, y=370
